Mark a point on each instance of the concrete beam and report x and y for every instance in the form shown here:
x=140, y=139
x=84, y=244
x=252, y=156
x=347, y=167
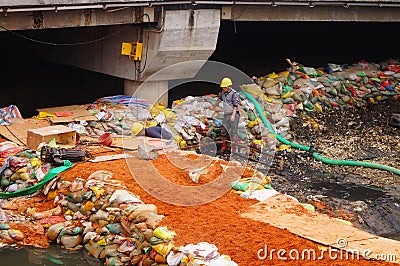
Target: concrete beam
x=54, y=2
x=305, y=13
x=356, y=11
x=65, y=19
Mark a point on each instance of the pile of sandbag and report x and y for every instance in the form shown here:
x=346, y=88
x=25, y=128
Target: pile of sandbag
x=334, y=87
x=113, y=224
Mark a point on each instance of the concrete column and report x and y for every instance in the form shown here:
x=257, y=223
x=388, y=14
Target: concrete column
x=186, y=35
x=153, y=91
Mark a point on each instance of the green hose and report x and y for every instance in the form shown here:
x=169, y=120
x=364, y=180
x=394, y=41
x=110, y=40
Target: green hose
x=32, y=189
x=307, y=148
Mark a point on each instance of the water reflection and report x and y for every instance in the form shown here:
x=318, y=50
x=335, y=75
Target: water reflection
x=54, y=255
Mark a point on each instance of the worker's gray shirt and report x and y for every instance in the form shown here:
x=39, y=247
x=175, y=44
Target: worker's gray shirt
x=230, y=99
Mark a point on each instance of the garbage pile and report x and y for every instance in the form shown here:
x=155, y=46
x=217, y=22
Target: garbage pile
x=281, y=95
x=195, y=120
x=25, y=171
x=299, y=89
x=22, y=170
x=115, y=114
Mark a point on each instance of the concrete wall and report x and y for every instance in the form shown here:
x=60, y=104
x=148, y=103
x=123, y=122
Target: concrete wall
x=102, y=56
x=254, y=11
x=64, y=19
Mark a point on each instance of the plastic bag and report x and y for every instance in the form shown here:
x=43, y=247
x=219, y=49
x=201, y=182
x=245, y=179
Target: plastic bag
x=123, y=196
x=7, y=145
x=174, y=259
x=241, y=186
x=163, y=249
x=163, y=233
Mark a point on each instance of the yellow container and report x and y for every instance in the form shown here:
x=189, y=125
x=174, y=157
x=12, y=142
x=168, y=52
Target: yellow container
x=132, y=49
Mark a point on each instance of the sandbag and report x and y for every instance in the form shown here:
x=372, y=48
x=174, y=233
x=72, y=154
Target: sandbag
x=147, y=152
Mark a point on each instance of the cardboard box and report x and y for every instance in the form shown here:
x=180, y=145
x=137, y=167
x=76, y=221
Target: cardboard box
x=64, y=136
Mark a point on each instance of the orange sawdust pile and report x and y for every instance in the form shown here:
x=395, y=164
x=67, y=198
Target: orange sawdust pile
x=181, y=177
x=217, y=222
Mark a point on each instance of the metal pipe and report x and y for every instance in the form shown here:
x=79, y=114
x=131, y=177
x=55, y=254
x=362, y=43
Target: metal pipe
x=54, y=8
x=158, y=3
x=127, y=5
x=30, y=9
x=215, y=2
x=80, y=7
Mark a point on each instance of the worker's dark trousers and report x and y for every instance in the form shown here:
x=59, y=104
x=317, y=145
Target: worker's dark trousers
x=229, y=127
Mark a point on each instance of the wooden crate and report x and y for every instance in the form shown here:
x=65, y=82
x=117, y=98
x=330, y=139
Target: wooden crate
x=64, y=136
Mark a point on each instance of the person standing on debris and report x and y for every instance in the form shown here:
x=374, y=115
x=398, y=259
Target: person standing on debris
x=230, y=99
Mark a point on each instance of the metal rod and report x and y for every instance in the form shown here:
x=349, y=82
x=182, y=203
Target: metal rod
x=127, y=5
x=31, y=9
x=80, y=7
x=215, y=2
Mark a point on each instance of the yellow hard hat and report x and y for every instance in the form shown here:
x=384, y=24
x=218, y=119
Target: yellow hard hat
x=226, y=82
x=136, y=128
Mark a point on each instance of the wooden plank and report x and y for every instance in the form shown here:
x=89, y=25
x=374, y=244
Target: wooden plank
x=79, y=114
x=127, y=143
x=283, y=212
x=6, y=133
x=131, y=143
x=112, y=157
x=18, y=130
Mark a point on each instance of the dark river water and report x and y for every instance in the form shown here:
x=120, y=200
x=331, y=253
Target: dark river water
x=54, y=255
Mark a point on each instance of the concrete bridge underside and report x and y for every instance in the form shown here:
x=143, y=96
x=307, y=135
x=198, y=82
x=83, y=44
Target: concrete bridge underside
x=170, y=33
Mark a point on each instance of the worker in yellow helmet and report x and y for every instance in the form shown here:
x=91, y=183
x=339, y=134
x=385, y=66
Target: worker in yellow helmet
x=230, y=99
